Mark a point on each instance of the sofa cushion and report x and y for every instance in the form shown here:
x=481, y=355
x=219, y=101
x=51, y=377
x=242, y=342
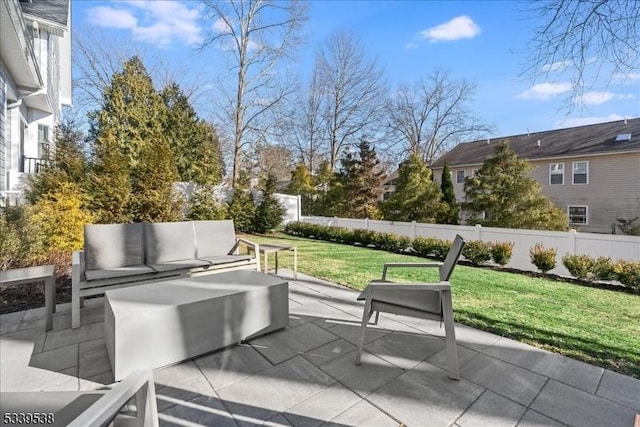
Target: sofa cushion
x=214, y=238
x=225, y=259
x=179, y=265
x=169, y=241
x=109, y=246
x=112, y=273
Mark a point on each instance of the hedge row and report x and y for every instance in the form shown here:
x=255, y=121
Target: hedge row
x=584, y=267
x=475, y=251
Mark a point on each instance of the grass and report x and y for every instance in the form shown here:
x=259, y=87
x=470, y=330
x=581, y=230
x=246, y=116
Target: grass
x=597, y=326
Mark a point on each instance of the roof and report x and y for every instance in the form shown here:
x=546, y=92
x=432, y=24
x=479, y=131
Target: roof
x=56, y=11
x=569, y=142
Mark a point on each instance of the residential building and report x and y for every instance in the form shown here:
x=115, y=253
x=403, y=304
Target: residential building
x=35, y=83
x=592, y=172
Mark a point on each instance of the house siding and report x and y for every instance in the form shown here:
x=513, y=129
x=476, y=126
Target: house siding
x=3, y=123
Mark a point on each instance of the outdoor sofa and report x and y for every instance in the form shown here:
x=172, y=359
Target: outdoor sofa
x=121, y=255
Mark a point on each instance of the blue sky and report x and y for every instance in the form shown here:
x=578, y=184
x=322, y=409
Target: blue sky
x=480, y=41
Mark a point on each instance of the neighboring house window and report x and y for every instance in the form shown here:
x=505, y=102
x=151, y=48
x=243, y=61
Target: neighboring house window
x=556, y=173
x=460, y=177
x=578, y=215
x=580, y=172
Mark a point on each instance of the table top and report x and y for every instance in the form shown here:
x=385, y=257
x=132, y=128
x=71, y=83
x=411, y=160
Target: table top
x=25, y=274
x=275, y=247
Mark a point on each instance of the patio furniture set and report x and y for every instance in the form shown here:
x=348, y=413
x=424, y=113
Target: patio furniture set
x=163, y=305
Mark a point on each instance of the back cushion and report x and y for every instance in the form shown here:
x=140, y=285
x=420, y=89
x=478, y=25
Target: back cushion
x=112, y=246
x=214, y=237
x=169, y=241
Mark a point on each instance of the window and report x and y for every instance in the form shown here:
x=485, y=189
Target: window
x=43, y=141
x=556, y=173
x=460, y=177
x=578, y=215
x=580, y=172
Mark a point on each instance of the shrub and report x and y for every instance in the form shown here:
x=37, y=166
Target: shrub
x=18, y=238
x=242, y=210
x=603, y=269
x=580, y=266
x=423, y=246
x=400, y=244
x=477, y=251
x=364, y=237
x=501, y=252
x=441, y=248
x=628, y=273
x=202, y=205
x=270, y=212
x=543, y=258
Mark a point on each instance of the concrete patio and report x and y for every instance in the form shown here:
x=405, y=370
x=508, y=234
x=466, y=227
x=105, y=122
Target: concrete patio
x=305, y=375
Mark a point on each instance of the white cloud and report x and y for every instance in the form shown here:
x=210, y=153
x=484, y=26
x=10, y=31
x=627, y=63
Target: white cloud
x=556, y=66
x=627, y=77
x=583, y=121
x=160, y=22
x=545, y=91
x=461, y=27
x=220, y=26
x=411, y=45
x=109, y=17
x=597, y=98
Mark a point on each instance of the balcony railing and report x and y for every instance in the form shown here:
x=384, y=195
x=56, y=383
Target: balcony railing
x=34, y=164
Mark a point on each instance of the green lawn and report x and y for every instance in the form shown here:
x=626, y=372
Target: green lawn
x=598, y=326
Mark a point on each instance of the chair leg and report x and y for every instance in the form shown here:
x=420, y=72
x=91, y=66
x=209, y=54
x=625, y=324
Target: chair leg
x=366, y=315
x=450, y=336
x=375, y=322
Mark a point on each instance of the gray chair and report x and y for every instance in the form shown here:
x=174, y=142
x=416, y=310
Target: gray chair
x=87, y=408
x=423, y=300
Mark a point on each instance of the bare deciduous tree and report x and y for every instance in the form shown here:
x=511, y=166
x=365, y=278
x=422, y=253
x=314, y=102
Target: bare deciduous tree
x=431, y=116
x=596, y=41
x=259, y=35
x=352, y=87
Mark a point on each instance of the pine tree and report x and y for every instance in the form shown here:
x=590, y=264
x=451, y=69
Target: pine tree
x=450, y=209
x=302, y=184
x=416, y=196
x=269, y=213
x=502, y=194
x=194, y=142
x=134, y=165
x=241, y=208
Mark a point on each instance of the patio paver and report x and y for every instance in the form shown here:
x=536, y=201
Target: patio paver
x=305, y=375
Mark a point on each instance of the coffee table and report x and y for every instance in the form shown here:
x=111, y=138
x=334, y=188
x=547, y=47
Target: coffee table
x=159, y=324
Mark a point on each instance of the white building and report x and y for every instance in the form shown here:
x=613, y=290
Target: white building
x=35, y=83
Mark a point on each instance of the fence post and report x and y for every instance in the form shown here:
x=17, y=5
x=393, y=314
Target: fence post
x=478, y=231
x=413, y=229
x=335, y=221
x=366, y=223
x=572, y=241
x=299, y=212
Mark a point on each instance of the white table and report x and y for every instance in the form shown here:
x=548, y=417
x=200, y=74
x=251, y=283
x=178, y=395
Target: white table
x=42, y=273
x=267, y=248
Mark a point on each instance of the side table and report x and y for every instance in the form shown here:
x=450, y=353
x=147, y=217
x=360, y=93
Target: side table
x=267, y=248
x=42, y=273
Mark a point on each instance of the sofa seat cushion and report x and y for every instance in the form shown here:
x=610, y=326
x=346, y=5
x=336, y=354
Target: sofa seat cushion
x=112, y=273
x=226, y=259
x=182, y=264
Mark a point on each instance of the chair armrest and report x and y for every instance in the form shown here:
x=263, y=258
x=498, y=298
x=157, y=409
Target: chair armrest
x=441, y=286
x=407, y=264
x=253, y=246
x=77, y=266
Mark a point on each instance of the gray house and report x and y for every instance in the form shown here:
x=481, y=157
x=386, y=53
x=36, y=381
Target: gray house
x=592, y=172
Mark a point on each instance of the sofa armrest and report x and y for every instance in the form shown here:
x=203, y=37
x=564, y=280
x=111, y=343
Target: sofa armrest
x=251, y=247
x=77, y=266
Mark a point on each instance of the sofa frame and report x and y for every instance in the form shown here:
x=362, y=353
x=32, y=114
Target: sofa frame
x=153, y=252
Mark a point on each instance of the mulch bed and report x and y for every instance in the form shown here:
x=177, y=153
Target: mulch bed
x=24, y=297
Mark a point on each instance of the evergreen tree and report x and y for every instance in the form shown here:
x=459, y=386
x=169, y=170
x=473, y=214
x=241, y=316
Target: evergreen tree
x=302, y=184
x=134, y=165
x=69, y=165
x=355, y=191
x=450, y=209
x=269, y=213
x=194, y=142
x=241, y=208
x=322, y=181
x=502, y=194
x=416, y=196
x=202, y=205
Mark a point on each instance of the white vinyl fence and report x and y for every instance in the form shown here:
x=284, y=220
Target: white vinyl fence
x=614, y=246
